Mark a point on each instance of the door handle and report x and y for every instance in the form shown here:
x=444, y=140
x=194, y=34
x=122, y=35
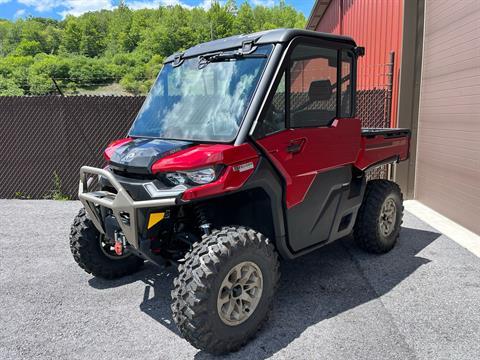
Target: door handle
x=295, y=146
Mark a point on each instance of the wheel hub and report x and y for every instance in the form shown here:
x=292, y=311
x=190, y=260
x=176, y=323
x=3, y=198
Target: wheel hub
x=237, y=291
x=111, y=250
x=240, y=293
x=388, y=217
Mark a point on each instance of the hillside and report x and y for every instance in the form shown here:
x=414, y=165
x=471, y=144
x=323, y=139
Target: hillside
x=121, y=49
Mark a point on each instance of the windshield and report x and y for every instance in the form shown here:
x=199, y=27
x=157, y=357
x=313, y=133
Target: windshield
x=199, y=100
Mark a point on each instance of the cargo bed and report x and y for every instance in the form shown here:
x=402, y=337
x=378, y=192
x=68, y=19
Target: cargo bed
x=382, y=146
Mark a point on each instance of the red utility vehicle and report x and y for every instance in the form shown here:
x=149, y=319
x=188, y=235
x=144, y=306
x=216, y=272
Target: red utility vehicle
x=246, y=150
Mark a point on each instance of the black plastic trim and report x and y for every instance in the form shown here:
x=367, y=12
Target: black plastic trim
x=259, y=38
x=386, y=132
x=390, y=160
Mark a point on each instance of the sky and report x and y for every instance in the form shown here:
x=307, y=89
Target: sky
x=58, y=9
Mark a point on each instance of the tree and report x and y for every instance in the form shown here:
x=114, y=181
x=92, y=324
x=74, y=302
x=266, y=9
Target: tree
x=94, y=29
x=221, y=20
x=28, y=48
x=120, y=45
x=71, y=35
x=244, y=22
x=8, y=87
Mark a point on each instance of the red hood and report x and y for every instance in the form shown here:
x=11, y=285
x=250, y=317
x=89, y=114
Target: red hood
x=204, y=155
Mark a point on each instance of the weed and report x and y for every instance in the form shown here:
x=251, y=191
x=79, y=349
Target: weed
x=56, y=193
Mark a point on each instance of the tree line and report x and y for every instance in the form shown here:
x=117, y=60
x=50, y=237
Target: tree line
x=120, y=46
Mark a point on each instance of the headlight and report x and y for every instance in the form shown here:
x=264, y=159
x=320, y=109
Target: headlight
x=176, y=178
x=203, y=176
x=198, y=177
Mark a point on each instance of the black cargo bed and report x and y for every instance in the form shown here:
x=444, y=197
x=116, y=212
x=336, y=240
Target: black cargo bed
x=386, y=132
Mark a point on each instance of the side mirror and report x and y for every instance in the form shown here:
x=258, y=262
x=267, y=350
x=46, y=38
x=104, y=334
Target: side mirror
x=320, y=90
x=360, y=51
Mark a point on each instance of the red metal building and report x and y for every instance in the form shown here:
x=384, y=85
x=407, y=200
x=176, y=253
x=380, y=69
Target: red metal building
x=374, y=24
x=436, y=94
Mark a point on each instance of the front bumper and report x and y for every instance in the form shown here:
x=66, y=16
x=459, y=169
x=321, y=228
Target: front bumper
x=123, y=207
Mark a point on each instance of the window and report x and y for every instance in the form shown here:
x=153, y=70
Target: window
x=346, y=92
x=200, y=103
x=274, y=119
x=313, y=78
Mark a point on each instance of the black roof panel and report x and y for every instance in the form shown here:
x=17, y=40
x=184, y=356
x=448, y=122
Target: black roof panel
x=263, y=37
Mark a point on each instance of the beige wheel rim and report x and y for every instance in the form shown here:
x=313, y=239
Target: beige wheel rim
x=388, y=217
x=240, y=293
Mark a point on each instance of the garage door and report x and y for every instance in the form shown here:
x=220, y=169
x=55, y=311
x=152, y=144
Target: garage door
x=448, y=150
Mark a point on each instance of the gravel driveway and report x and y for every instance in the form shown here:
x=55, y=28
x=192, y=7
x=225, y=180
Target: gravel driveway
x=420, y=301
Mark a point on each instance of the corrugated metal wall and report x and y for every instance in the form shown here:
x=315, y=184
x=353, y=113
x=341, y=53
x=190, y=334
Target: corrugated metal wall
x=448, y=151
x=377, y=25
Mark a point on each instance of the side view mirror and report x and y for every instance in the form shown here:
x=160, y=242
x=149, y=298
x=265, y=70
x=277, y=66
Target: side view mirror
x=320, y=90
x=360, y=51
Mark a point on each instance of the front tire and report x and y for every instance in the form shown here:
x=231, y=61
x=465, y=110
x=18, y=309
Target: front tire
x=225, y=289
x=86, y=247
x=377, y=227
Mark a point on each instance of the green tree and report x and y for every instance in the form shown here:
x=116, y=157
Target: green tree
x=120, y=45
x=70, y=41
x=221, y=19
x=244, y=22
x=94, y=30
x=8, y=87
x=28, y=48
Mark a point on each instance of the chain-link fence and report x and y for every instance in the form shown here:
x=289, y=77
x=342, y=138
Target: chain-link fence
x=45, y=140
x=374, y=106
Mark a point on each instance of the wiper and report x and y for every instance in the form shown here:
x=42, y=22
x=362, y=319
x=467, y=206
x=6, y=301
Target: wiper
x=206, y=59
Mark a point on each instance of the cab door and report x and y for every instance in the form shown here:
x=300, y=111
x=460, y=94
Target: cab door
x=310, y=136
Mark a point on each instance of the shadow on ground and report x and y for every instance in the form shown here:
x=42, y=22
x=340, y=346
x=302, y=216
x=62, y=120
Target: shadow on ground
x=313, y=288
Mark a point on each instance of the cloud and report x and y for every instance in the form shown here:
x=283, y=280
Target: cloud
x=79, y=7
x=41, y=5
x=4, y=1
x=19, y=13
x=268, y=3
x=70, y=7
x=207, y=4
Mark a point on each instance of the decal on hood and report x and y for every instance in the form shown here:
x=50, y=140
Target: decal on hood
x=138, y=156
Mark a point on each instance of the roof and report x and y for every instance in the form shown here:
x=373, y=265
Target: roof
x=264, y=37
x=316, y=14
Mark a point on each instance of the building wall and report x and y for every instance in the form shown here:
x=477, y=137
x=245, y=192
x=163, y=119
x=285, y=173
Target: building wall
x=448, y=150
x=376, y=25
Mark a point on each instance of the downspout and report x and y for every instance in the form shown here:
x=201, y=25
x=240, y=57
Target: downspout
x=340, y=16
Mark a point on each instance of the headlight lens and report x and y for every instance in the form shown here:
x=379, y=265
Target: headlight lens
x=198, y=177
x=203, y=176
x=176, y=178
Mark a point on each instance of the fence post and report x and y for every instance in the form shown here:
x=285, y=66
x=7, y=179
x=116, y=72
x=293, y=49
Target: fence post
x=388, y=105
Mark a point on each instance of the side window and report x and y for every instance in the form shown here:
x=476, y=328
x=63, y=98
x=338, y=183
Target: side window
x=313, y=78
x=274, y=119
x=346, y=93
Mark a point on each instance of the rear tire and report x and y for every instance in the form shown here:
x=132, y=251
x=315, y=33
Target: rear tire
x=377, y=227
x=88, y=254
x=234, y=266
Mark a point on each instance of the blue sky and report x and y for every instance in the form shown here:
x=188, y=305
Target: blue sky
x=57, y=9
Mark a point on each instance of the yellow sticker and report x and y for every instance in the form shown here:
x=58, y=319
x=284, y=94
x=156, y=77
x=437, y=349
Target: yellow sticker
x=154, y=219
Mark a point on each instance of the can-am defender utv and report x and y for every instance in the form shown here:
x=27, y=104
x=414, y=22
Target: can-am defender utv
x=247, y=149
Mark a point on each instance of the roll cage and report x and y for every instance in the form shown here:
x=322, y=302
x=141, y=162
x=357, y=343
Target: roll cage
x=284, y=41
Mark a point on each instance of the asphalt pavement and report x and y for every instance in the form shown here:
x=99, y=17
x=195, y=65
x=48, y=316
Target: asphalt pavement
x=420, y=301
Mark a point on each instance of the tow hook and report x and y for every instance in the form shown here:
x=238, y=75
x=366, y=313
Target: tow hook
x=120, y=243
